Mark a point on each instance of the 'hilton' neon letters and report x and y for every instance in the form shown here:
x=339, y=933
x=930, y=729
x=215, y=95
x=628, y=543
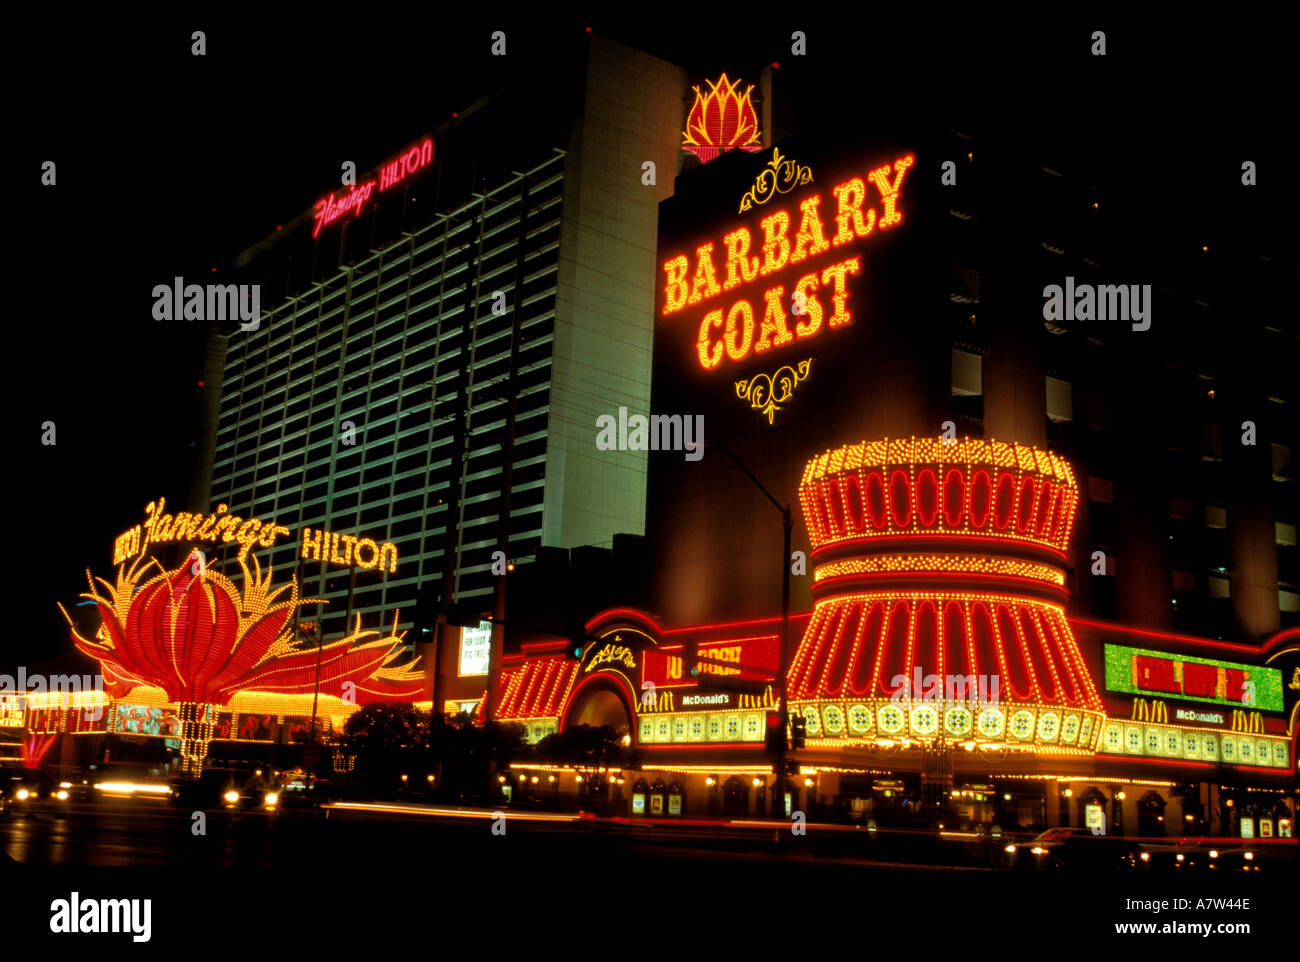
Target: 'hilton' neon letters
x=804, y=235
x=330, y=207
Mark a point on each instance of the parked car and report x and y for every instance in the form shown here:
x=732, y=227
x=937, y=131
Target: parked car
x=25, y=789
x=137, y=781
x=1228, y=855
x=1075, y=848
x=236, y=788
x=302, y=789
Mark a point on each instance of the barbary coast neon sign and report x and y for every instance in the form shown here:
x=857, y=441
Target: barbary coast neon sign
x=330, y=208
x=731, y=332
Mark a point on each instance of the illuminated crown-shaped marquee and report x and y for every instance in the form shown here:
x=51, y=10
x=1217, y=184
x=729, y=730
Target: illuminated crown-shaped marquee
x=939, y=593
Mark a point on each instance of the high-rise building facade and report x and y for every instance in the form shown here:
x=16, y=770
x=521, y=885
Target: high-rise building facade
x=373, y=398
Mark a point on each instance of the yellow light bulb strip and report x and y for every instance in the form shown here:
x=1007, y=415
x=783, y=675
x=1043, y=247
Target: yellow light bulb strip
x=943, y=563
x=971, y=452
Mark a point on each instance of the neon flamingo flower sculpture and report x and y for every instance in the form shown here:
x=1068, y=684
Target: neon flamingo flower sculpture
x=192, y=633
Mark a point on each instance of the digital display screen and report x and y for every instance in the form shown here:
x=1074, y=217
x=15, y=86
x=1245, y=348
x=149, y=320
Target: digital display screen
x=475, y=647
x=1142, y=672
x=142, y=720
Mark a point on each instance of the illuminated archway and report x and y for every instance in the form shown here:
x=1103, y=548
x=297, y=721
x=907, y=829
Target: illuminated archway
x=600, y=705
x=1151, y=815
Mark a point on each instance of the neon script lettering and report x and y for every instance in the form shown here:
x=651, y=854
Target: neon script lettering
x=218, y=526
x=331, y=207
x=327, y=547
x=620, y=654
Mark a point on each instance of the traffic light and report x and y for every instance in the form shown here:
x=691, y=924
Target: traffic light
x=429, y=608
x=576, y=632
x=775, y=737
x=798, y=731
x=426, y=615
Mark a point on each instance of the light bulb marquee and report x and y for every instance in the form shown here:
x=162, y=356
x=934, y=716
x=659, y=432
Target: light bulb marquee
x=671, y=708
x=780, y=277
x=940, y=560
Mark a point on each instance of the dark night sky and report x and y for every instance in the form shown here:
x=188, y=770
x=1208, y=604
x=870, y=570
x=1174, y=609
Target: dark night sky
x=170, y=164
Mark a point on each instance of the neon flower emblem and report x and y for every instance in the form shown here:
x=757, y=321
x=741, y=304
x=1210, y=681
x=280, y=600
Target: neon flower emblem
x=723, y=119
x=201, y=640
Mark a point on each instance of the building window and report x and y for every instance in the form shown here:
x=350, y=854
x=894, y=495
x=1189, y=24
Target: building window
x=1060, y=400
x=1281, y=462
x=1288, y=567
x=657, y=793
x=1101, y=588
x=1101, y=513
x=1098, y=411
x=967, y=373
x=1099, y=489
x=968, y=387
x=1215, y=516
x=1183, y=585
x=1211, y=442
x=639, y=792
x=676, y=797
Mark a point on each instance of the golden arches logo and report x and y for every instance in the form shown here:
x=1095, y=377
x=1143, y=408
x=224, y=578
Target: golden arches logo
x=1154, y=711
x=1249, y=722
x=655, y=701
x=765, y=700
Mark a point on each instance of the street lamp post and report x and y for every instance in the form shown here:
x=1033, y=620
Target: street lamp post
x=315, y=690
x=787, y=525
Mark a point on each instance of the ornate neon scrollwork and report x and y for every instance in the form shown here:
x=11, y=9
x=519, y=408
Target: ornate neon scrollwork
x=767, y=392
x=781, y=176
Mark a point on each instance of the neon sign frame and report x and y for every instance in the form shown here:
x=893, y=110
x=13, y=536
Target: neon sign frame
x=797, y=238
